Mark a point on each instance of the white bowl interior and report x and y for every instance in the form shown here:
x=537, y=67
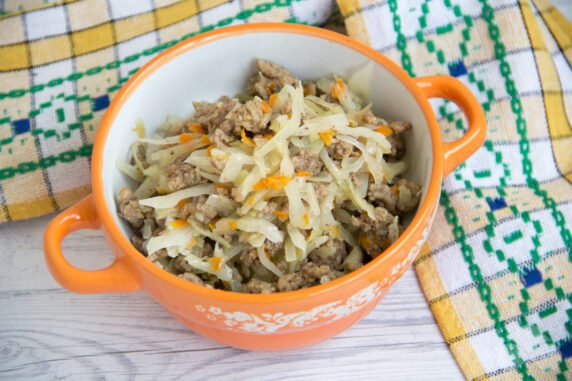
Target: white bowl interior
x=221, y=67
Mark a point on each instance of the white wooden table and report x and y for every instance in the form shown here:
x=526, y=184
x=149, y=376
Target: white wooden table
x=48, y=333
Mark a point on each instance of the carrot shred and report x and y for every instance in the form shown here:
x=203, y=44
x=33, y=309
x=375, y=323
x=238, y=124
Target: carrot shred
x=185, y=138
x=303, y=173
x=209, y=150
x=275, y=183
x=196, y=127
x=338, y=89
x=179, y=224
x=384, y=130
x=395, y=189
x=233, y=225
x=205, y=139
x=306, y=218
x=334, y=231
x=271, y=86
x=327, y=136
x=272, y=99
x=216, y=263
x=365, y=242
x=192, y=243
x=265, y=107
x=182, y=203
x=268, y=136
x=212, y=226
x=227, y=187
x=282, y=215
x=250, y=201
x=246, y=140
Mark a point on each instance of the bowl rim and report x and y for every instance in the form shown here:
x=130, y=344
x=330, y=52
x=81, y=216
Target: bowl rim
x=402, y=245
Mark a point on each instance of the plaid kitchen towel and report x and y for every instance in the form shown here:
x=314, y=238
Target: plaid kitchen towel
x=498, y=269
x=61, y=63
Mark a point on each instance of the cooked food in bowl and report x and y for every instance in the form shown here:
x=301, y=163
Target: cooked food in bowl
x=287, y=186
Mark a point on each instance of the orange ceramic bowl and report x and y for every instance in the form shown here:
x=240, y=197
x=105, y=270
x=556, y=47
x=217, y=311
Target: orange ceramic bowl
x=217, y=63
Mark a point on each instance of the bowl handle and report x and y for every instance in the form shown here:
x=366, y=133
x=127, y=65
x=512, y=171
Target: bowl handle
x=440, y=86
x=114, y=278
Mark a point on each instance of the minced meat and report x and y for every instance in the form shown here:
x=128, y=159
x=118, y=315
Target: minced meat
x=408, y=195
x=383, y=195
x=307, y=161
x=310, y=274
x=193, y=278
x=129, y=208
x=253, y=116
x=255, y=286
x=333, y=260
x=198, y=209
x=181, y=175
x=213, y=115
x=220, y=138
x=269, y=79
x=340, y=150
x=396, y=139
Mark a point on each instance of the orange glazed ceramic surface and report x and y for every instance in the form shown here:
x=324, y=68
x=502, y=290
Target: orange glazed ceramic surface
x=262, y=321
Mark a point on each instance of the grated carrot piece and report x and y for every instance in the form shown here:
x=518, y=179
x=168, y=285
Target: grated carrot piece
x=268, y=136
x=216, y=263
x=246, y=140
x=209, y=150
x=212, y=226
x=233, y=225
x=185, y=138
x=327, y=136
x=205, y=139
x=196, y=127
x=250, y=200
x=395, y=189
x=179, y=224
x=306, y=218
x=281, y=215
x=384, y=130
x=334, y=231
x=227, y=187
x=272, y=99
x=365, y=242
x=182, y=203
x=192, y=243
x=275, y=183
x=271, y=86
x=338, y=89
x=303, y=174
x=265, y=107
